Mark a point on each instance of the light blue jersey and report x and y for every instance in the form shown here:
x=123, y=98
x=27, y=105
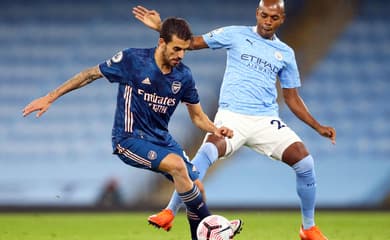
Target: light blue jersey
x=252, y=67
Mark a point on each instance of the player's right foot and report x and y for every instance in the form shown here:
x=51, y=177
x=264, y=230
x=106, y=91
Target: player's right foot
x=312, y=233
x=163, y=219
x=236, y=225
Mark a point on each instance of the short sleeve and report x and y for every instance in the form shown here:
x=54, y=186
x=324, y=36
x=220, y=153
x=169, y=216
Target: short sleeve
x=219, y=38
x=289, y=76
x=113, y=69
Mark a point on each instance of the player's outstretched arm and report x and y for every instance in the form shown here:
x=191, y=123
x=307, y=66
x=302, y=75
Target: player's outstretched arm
x=202, y=121
x=81, y=79
x=152, y=19
x=298, y=107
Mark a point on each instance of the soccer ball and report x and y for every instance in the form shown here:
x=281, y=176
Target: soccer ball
x=214, y=227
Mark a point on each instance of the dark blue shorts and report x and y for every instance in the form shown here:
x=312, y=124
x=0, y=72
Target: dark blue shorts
x=144, y=154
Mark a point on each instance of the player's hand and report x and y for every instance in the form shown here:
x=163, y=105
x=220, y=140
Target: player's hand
x=150, y=18
x=224, y=132
x=40, y=104
x=328, y=132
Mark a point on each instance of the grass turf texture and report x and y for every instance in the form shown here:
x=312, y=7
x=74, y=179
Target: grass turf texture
x=258, y=225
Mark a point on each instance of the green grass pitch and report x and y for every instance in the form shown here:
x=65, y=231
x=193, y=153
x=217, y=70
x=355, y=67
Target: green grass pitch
x=258, y=225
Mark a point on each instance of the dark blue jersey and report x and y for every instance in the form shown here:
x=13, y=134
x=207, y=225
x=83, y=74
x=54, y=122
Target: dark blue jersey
x=146, y=97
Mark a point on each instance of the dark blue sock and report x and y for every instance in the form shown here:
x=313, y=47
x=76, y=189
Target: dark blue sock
x=196, y=208
x=207, y=155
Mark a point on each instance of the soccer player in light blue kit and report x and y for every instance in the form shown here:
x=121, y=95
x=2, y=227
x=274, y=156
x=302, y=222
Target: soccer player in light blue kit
x=256, y=57
x=151, y=83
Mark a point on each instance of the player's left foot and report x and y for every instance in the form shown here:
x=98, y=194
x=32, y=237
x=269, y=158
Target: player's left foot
x=312, y=233
x=236, y=225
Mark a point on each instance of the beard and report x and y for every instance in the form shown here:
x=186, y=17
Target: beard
x=168, y=60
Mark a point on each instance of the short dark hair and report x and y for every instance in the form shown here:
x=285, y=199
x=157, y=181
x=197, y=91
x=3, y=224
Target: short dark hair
x=175, y=26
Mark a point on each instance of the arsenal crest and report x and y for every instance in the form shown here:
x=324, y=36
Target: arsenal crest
x=152, y=155
x=176, y=87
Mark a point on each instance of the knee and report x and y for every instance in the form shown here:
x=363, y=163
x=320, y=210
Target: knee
x=174, y=165
x=294, y=153
x=219, y=142
x=178, y=169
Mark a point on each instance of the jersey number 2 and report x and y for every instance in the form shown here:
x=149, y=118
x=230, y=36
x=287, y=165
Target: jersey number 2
x=280, y=125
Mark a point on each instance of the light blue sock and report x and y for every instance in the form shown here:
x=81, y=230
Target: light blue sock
x=204, y=158
x=306, y=189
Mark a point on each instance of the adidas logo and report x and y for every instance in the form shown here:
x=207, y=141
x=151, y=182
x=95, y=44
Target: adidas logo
x=146, y=81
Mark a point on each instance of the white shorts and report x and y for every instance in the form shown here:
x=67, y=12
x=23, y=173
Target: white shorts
x=264, y=134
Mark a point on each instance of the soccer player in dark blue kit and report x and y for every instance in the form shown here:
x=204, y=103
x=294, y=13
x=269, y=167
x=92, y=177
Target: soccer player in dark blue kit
x=152, y=82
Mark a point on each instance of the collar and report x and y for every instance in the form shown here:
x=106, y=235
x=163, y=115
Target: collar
x=254, y=29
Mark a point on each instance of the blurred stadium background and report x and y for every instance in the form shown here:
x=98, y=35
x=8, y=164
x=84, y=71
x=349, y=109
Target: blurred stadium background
x=64, y=159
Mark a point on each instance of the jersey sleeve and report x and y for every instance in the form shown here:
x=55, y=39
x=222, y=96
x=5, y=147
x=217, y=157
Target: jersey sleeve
x=191, y=93
x=219, y=38
x=289, y=76
x=113, y=69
